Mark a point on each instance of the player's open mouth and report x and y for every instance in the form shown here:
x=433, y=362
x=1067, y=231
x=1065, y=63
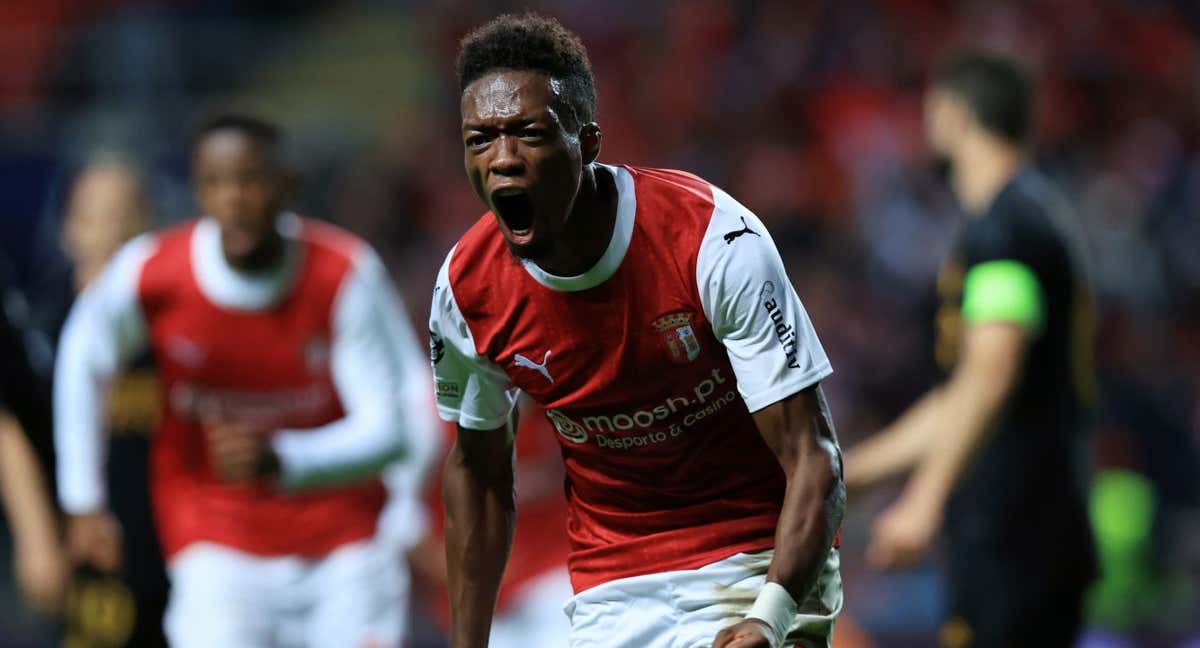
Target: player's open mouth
x=515, y=209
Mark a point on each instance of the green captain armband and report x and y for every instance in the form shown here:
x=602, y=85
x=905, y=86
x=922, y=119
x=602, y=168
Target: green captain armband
x=1003, y=291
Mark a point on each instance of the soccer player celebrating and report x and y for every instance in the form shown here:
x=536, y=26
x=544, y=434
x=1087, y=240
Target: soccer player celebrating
x=994, y=449
x=289, y=378
x=650, y=314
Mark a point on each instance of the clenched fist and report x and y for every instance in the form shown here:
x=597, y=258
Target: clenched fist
x=903, y=534
x=239, y=452
x=750, y=633
x=95, y=539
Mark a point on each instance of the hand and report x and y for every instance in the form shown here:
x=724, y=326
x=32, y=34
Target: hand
x=95, y=539
x=904, y=533
x=42, y=572
x=749, y=633
x=238, y=452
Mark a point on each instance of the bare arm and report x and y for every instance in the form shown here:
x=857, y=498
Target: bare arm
x=896, y=449
x=984, y=379
x=480, y=499
x=959, y=424
x=778, y=360
x=22, y=489
x=799, y=429
x=40, y=563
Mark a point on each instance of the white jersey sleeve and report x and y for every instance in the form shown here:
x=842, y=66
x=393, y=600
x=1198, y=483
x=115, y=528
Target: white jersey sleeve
x=471, y=390
x=405, y=519
x=104, y=330
x=754, y=311
x=377, y=370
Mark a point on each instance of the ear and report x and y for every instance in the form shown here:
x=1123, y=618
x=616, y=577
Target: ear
x=589, y=142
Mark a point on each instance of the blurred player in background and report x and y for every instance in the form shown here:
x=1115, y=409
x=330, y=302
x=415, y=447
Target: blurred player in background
x=287, y=372
x=115, y=599
x=650, y=314
x=107, y=206
x=994, y=450
x=39, y=560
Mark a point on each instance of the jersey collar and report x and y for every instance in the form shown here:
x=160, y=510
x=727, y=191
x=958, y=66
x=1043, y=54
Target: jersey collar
x=607, y=266
x=230, y=288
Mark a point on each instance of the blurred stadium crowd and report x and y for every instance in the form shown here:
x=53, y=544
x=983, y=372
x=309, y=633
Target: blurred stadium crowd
x=809, y=112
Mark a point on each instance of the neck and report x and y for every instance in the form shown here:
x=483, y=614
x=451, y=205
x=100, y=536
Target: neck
x=982, y=168
x=265, y=258
x=589, y=226
x=85, y=272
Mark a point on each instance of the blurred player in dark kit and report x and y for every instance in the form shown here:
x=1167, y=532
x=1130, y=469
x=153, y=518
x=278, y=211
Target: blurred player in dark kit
x=995, y=450
x=39, y=559
x=650, y=315
x=115, y=599
x=289, y=378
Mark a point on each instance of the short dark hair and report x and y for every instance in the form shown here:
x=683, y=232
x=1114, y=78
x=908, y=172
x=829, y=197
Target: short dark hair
x=995, y=87
x=256, y=128
x=531, y=41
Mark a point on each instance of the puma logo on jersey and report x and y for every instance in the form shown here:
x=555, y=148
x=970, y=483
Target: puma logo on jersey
x=745, y=230
x=522, y=361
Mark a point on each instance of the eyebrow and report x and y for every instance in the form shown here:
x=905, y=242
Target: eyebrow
x=485, y=127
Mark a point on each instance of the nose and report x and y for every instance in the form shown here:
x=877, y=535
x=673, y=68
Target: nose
x=230, y=194
x=507, y=160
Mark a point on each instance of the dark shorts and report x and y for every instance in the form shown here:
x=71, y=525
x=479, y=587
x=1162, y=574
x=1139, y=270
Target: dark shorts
x=1004, y=605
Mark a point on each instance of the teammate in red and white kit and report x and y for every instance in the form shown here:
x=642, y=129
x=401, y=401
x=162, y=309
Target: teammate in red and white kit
x=650, y=314
x=289, y=376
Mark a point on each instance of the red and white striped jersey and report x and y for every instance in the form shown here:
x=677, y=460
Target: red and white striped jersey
x=648, y=365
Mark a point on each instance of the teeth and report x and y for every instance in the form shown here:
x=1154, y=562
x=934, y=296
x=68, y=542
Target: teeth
x=521, y=232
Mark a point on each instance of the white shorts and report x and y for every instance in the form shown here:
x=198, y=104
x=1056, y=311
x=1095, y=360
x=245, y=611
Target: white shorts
x=686, y=609
x=357, y=597
x=536, y=618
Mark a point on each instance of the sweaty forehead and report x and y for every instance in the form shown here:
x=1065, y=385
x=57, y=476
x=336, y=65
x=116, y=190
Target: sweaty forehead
x=509, y=94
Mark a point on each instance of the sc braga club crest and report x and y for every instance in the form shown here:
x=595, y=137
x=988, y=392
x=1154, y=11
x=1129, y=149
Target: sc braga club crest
x=677, y=333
